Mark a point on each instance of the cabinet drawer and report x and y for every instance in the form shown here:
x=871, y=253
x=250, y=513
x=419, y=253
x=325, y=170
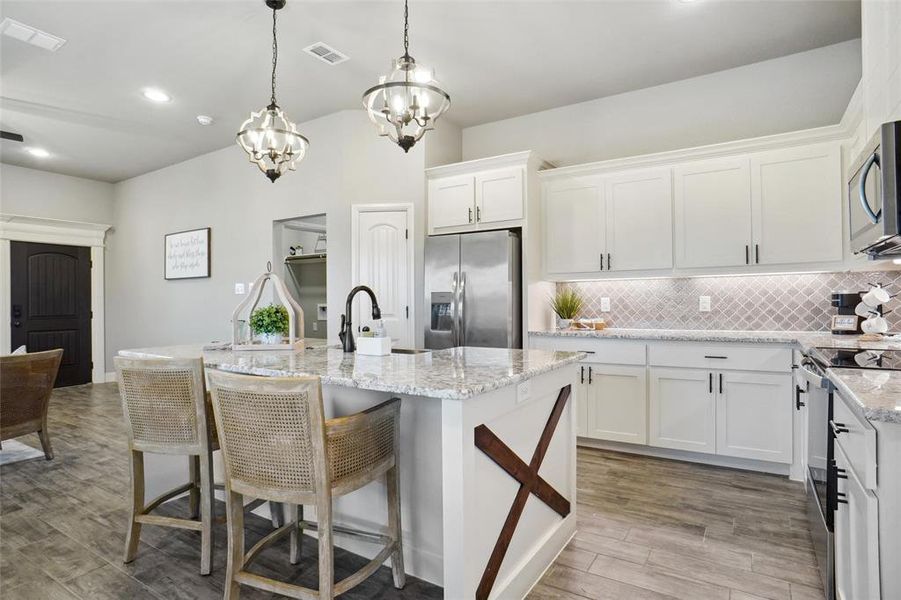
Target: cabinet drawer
x=857, y=439
x=613, y=352
x=721, y=356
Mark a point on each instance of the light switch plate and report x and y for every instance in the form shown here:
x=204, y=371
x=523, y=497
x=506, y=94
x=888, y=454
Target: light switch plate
x=239, y=288
x=605, y=304
x=315, y=325
x=704, y=303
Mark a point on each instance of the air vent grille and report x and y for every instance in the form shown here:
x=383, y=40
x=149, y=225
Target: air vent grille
x=31, y=35
x=326, y=53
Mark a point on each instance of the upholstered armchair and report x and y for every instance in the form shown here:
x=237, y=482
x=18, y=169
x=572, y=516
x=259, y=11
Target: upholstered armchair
x=26, y=381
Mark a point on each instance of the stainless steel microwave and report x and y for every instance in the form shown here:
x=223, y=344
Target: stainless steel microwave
x=873, y=196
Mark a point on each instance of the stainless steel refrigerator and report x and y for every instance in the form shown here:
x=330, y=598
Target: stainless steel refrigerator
x=473, y=290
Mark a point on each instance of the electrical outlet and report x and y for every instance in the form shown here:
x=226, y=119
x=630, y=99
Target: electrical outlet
x=704, y=303
x=605, y=304
x=315, y=326
x=239, y=288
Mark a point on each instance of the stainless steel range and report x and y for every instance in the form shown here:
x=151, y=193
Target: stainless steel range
x=822, y=474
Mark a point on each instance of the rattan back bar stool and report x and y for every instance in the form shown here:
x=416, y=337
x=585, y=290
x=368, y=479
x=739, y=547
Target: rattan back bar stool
x=277, y=446
x=164, y=403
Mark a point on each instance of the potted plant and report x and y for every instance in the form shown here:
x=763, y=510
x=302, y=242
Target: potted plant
x=567, y=304
x=270, y=323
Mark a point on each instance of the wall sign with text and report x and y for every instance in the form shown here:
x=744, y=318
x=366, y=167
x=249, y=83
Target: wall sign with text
x=188, y=254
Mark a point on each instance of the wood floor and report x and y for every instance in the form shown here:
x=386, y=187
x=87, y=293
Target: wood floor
x=654, y=529
x=648, y=529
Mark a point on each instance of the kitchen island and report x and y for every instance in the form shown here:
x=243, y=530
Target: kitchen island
x=468, y=524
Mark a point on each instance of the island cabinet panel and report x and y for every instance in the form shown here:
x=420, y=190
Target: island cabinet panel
x=754, y=416
x=451, y=202
x=499, y=534
x=713, y=213
x=796, y=203
x=580, y=399
x=682, y=410
x=617, y=403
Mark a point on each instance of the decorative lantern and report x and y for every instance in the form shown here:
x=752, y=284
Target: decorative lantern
x=290, y=339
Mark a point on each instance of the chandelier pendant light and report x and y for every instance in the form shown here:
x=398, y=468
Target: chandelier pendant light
x=406, y=103
x=268, y=137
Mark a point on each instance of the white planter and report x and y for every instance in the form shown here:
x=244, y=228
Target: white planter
x=564, y=323
x=270, y=338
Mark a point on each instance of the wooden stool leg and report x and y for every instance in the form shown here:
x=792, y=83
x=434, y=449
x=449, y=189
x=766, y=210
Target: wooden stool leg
x=235, y=526
x=194, y=494
x=326, y=550
x=136, y=461
x=297, y=534
x=45, y=443
x=394, y=527
x=206, y=513
x=277, y=512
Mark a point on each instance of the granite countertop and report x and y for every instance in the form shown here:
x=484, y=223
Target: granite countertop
x=875, y=394
x=452, y=374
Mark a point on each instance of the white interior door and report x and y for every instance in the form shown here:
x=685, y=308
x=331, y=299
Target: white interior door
x=382, y=260
x=640, y=220
x=713, y=213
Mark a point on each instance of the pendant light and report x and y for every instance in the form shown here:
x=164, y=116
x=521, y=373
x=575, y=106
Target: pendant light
x=268, y=137
x=406, y=103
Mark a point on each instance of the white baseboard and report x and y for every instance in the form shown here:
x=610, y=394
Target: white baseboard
x=520, y=583
x=110, y=377
x=695, y=457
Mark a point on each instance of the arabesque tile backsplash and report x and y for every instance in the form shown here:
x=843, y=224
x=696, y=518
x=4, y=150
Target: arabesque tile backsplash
x=755, y=302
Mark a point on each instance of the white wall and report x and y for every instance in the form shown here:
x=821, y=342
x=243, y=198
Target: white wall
x=36, y=193
x=799, y=91
x=347, y=163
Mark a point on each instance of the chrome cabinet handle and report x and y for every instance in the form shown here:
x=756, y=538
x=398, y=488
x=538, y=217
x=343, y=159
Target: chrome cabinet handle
x=478, y=214
x=757, y=254
x=715, y=356
x=838, y=428
x=470, y=214
x=721, y=383
x=862, y=189
x=747, y=260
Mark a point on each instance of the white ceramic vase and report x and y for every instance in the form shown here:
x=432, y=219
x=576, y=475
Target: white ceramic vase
x=564, y=323
x=270, y=338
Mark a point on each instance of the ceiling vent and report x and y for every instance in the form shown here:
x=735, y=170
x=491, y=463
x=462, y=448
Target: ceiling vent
x=326, y=53
x=31, y=35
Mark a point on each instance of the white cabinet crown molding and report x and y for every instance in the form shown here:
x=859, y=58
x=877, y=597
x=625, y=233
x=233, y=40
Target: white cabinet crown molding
x=828, y=133
x=469, y=167
x=52, y=231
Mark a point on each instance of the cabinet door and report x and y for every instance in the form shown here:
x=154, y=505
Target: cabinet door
x=640, y=220
x=499, y=196
x=713, y=213
x=573, y=222
x=754, y=415
x=682, y=410
x=451, y=202
x=580, y=400
x=856, y=536
x=617, y=403
x=796, y=202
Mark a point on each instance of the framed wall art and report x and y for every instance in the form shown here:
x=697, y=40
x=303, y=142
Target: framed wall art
x=187, y=254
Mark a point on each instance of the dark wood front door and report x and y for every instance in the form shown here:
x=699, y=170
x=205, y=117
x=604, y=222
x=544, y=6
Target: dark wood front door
x=51, y=304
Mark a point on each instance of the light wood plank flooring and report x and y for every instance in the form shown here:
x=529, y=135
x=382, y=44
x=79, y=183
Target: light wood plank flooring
x=658, y=529
x=648, y=529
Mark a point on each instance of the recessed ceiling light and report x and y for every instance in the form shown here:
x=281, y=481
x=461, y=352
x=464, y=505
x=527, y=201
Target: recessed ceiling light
x=38, y=152
x=205, y=120
x=155, y=95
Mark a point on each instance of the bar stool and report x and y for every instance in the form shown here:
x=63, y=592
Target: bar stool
x=277, y=446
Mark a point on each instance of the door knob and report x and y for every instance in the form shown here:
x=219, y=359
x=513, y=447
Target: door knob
x=17, y=323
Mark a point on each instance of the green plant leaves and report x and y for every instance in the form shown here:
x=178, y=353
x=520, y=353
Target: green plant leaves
x=270, y=319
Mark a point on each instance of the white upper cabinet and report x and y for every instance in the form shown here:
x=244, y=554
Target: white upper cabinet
x=499, y=196
x=574, y=239
x=713, y=213
x=451, y=202
x=796, y=203
x=639, y=220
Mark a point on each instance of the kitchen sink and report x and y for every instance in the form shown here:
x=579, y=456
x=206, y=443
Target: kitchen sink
x=408, y=351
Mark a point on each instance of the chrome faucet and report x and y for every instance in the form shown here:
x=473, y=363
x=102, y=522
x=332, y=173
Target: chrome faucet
x=346, y=334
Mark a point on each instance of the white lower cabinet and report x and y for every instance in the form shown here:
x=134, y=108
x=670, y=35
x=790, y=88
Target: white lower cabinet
x=856, y=536
x=682, y=410
x=616, y=398
x=754, y=415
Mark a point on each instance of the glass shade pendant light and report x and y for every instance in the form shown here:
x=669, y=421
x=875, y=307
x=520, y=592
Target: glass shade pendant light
x=406, y=103
x=268, y=137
